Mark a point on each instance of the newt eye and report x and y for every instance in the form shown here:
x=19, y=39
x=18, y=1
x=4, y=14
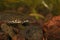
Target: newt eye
x=25, y=23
